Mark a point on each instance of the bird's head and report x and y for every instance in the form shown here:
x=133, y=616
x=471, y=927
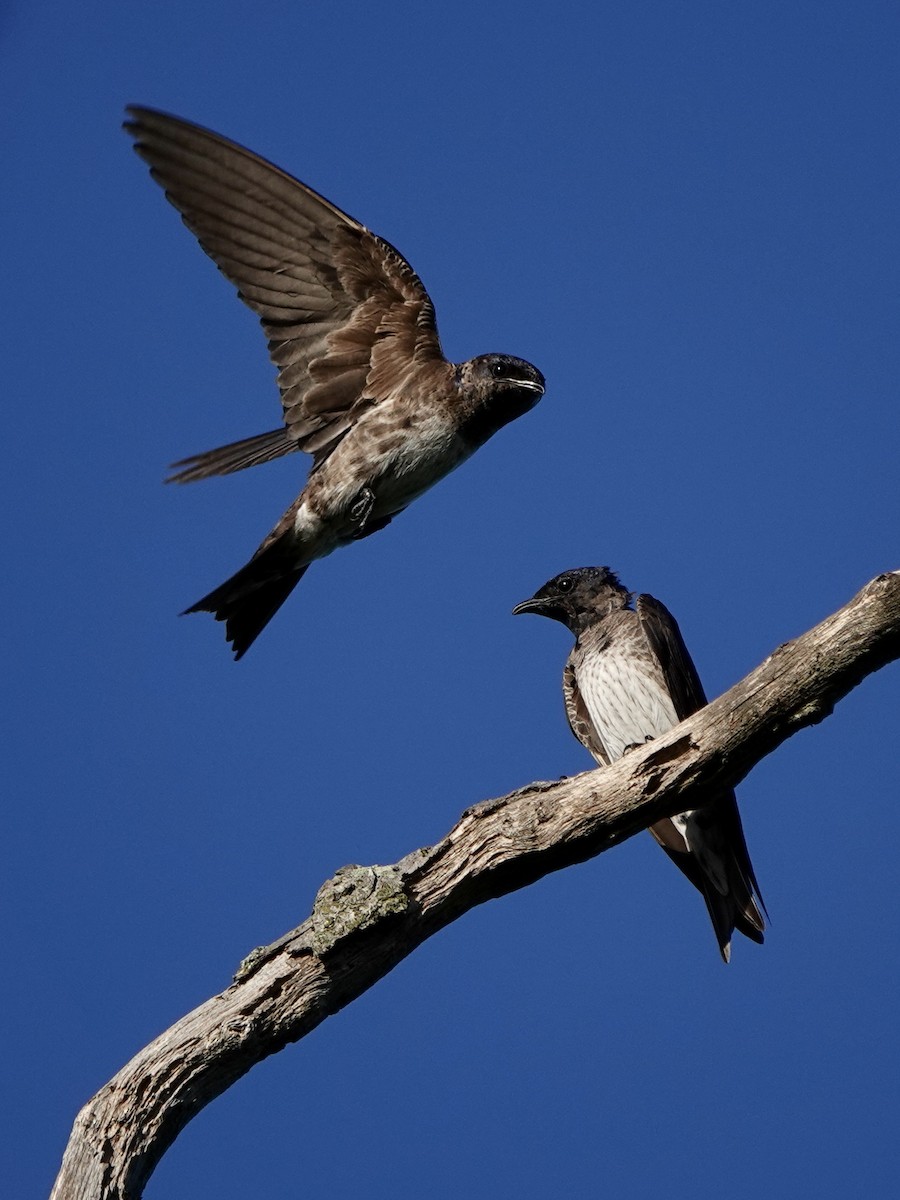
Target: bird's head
x=578, y=597
x=496, y=388
x=497, y=374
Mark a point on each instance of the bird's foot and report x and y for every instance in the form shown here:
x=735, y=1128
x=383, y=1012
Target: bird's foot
x=361, y=510
x=637, y=745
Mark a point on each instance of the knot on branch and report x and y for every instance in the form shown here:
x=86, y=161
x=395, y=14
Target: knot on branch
x=354, y=899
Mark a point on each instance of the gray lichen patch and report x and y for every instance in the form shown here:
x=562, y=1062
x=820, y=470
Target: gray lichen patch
x=354, y=899
x=249, y=964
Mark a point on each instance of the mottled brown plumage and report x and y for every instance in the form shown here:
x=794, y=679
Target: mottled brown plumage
x=365, y=387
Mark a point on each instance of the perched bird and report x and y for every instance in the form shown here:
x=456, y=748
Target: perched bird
x=365, y=387
x=628, y=679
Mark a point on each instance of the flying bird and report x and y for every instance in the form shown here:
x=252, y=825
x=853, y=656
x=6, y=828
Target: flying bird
x=365, y=387
x=628, y=679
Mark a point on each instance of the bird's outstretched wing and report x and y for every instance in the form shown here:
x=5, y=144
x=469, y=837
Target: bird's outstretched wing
x=345, y=314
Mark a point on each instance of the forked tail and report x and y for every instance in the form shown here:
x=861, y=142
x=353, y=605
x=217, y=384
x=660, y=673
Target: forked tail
x=249, y=600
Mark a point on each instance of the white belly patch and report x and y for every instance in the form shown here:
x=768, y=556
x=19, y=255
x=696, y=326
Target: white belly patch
x=625, y=706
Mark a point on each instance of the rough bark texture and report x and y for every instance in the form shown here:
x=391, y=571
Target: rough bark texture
x=366, y=919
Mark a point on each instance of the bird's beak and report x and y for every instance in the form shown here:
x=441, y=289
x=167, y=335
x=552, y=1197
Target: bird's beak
x=544, y=606
x=536, y=604
x=526, y=385
x=530, y=385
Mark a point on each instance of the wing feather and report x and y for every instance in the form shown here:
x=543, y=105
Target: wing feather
x=578, y=716
x=345, y=314
x=665, y=641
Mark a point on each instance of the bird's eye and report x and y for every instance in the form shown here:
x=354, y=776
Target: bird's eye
x=564, y=584
x=498, y=370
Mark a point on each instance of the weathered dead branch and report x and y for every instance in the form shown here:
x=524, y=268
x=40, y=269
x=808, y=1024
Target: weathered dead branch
x=366, y=919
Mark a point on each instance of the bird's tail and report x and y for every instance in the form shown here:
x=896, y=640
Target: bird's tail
x=249, y=600
x=713, y=855
x=234, y=457
x=738, y=909
x=741, y=905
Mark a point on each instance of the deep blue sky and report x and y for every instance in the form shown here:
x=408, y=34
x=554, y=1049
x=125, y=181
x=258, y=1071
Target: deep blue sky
x=686, y=215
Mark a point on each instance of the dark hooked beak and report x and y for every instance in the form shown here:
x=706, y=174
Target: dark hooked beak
x=530, y=385
x=536, y=604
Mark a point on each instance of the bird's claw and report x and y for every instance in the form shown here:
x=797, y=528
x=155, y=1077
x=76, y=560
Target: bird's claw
x=637, y=745
x=361, y=510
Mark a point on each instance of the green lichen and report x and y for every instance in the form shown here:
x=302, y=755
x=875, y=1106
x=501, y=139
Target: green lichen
x=355, y=899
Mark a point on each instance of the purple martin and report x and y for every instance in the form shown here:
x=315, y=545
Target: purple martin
x=628, y=679
x=365, y=387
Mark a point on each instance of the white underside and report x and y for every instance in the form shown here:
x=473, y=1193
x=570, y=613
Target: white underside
x=625, y=707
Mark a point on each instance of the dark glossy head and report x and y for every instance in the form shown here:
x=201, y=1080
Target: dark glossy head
x=578, y=597
x=495, y=389
x=502, y=372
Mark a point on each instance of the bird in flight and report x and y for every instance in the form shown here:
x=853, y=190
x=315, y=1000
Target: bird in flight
x=365, y=387
x=628, y=679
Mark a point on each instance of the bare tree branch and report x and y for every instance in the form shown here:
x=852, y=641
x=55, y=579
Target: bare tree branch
x=366, y=919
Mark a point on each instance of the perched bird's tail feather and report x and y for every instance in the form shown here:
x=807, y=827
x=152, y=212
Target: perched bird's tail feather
x=234, y=457
x=738, y=910
x=249, y=600
x=741, y=906
x=750, y=910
